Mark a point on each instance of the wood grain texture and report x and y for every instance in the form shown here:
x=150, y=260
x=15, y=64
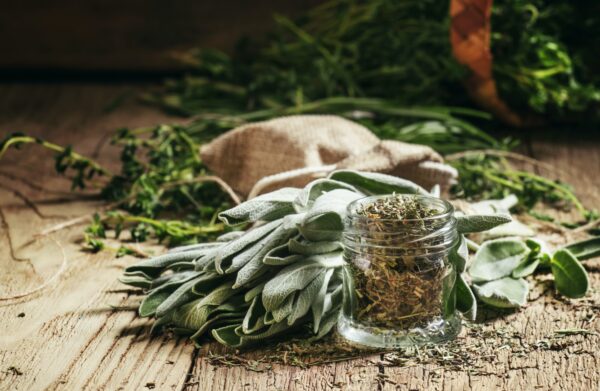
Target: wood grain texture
x=69, y=338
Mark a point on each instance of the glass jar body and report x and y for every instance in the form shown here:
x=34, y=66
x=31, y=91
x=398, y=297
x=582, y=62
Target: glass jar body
x=398, y=280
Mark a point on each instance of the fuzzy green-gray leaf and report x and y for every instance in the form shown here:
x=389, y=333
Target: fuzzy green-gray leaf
x=497, y=258
x=312, y=248
x=296, y=277
x=267, y=207
x=325, y=219
x=372, y=183
x=506, y=292
x=317, y=188
x=570, y=278
x=479, y=223
x=465, y=299
x=459, y=255
x=585, y=249
x=306, y=297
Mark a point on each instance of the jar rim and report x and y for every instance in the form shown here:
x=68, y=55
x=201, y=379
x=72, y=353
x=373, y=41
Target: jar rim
x=448, y=208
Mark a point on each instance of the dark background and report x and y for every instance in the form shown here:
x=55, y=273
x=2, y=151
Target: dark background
x=50, y=37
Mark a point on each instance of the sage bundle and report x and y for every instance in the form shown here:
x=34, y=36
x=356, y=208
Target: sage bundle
x=283, y=275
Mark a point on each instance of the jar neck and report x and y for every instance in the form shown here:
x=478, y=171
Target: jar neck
x=436, y=231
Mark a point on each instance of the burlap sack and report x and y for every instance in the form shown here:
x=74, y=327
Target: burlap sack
x=291, y=151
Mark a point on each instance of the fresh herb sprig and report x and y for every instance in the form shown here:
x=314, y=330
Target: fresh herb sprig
x=486, y=175
x=400, y=51
x=162, y=190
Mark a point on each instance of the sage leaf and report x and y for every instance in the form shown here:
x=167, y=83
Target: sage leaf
x=154, y=266
x=157, y=296
x=282, y=312
x=333, y=299
x=224, y=254
x=230, y=335
x=260, y=249
x=317, y=188
x=497, y=258
x=193, y=247
x=506, y=292
x=251, y=271
x=174, y=278
x=325, y=219
x=229, y=236
x=465, y=299
x=281, y=256
x=312, y=248
x=227, y=336
x=152, y=301
x=225, y=318
x=253, y=292
x=372, y=183
x=193, y=315
x=318, y=305
x=136, y=279
x=478, y=223
x=570, y=278
x=327, y=323
x=306, y=297
x=180, y=296
x=267, y=207
x=207, y=282
x=527, y=267
x=253, y=320
x=585, y=249
x=296, y=277
x=349, y=291
x=459, y=255
x=449, y=293
x=190, y=316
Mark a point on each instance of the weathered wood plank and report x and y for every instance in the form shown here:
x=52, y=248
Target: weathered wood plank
x=67, y=337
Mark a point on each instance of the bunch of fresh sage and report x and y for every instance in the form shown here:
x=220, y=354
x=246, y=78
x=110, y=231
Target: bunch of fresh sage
x=500, y=265
x=282, y=275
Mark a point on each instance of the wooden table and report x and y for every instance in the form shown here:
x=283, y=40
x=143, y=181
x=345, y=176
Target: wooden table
x=68, y=337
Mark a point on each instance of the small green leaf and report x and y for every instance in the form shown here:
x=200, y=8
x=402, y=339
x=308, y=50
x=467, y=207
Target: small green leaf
x=253, y=320
x=281, y=256
x=527, y=267
x=570, y=277
x=296, y=277
x=224, y=254
x=154, y=266
x=497, y=258
x=374, y=183
x=317, y=188
x=306, y=297
x=267, y=207
x=459, y=254
x=465, y=299
x=503, y=293
x=324, y=221
x=312, y=248
x=479, y=223
x=585, y=249
x=258, y=250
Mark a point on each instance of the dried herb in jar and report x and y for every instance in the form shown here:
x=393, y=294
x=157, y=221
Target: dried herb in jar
x=397, y=247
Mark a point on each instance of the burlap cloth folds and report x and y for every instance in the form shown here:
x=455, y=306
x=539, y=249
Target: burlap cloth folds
x=290, y=151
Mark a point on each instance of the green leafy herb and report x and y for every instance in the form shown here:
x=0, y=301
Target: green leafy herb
x=570, y=277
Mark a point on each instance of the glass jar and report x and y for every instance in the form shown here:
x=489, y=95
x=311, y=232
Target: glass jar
x=398, y=280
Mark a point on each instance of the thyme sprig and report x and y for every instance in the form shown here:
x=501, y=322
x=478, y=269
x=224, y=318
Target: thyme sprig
x=162, y=190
